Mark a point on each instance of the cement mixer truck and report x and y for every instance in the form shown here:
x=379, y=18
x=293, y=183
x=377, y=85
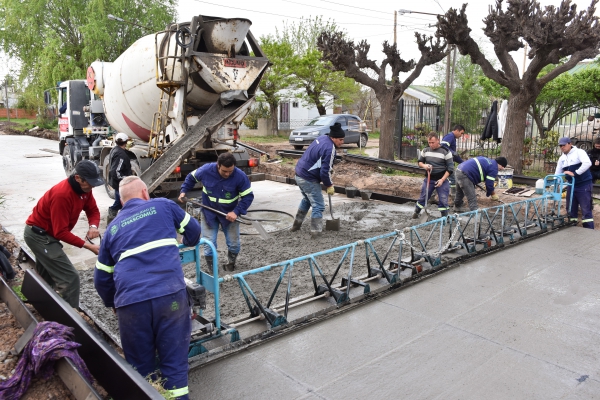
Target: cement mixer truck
x=180, y=94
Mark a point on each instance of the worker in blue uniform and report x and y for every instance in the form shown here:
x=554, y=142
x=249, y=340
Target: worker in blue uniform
x=226, y=188
x=449, y=143
x=138, y=273
x=474, y=171
x=313, y=168
x=575, y=163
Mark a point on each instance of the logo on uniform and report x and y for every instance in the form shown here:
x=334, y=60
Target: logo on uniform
x=114, y=229
x=227, y=195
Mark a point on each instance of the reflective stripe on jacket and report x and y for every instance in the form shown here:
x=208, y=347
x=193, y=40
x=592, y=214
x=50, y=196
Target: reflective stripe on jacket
x=481, y=169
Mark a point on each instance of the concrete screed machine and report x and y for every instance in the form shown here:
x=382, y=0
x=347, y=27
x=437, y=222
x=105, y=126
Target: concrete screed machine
x=180, y=94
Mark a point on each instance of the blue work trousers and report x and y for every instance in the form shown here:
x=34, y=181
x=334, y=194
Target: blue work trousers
x=442, y=191
x=160, y=326
x=232, y=236
x=117, y=204
x=312, y=196
x=582, y=197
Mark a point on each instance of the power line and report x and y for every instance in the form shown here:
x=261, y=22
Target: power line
x=246, y=9
x=331, y=9
x=360, y=8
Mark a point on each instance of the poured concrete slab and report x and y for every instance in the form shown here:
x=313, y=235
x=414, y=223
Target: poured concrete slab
x=523, y=322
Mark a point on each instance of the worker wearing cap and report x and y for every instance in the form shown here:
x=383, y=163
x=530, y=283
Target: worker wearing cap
x=53, y=218
x=225, y=188
x=575, y=163
x=449, y=143
x=474, y=171
x=438, y=161
x=120, y=167
x=313, y=168
x=138, y=273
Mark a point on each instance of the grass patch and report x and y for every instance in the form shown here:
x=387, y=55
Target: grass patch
x=374, y=135
x=22, y=124
x=360, y=152
x=265, y=139
x=394, y=172
x=288, y=161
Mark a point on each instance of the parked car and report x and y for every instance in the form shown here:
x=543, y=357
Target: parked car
x=355, y=130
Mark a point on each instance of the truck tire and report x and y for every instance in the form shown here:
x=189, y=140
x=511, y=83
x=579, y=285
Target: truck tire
x=67, y=160
x=110, y=191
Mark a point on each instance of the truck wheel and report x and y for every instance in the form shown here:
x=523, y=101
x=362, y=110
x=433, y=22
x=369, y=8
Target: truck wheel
x=363, y=140
x=110, y=191
x=67, y=161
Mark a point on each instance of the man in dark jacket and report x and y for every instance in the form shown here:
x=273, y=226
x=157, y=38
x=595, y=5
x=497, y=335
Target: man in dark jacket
x=313, y=168
x=51, y=222
x=226, y=188
x=474, y=171
x=449, y=143
x=120, y=167
x=138, y=273
x=594, y=155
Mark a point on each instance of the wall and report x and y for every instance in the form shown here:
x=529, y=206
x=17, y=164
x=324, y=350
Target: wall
x=263, y=129
x=18, y=113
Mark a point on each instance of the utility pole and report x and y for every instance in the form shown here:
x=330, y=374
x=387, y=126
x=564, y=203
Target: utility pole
x=524, y=59
x=395, y=21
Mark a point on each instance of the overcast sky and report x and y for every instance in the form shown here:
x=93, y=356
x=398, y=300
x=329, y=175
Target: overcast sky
x=373, y=21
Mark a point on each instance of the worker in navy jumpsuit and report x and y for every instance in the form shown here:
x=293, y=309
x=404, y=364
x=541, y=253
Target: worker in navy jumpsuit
x=225, y=188
x=575, y=163
x=449, y=143
x=139, y=274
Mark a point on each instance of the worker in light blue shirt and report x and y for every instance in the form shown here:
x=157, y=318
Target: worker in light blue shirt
x=449, y=143
x=225, y=188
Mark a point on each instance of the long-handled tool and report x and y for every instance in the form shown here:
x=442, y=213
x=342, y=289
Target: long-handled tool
x=486, y=193
x=332, y=224
x=424, y=216
x=259, y=228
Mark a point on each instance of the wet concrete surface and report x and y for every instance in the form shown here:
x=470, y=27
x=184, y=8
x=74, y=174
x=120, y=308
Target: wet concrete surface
x=519, y=323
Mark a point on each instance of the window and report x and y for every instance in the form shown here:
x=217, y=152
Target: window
x=295, y=104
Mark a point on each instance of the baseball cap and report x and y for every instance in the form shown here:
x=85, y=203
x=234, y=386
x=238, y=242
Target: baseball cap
x=89, y=172
x=564, y=140
x=121, y=136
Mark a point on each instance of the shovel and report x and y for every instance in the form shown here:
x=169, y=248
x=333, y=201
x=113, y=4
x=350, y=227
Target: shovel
x=424, y=216
x=332, y=224
x=255, y=224
x=482, y=189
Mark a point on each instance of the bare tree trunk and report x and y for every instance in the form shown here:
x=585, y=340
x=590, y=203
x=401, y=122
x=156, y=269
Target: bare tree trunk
x=274, y=119
x=514, y=134
x=388, y=126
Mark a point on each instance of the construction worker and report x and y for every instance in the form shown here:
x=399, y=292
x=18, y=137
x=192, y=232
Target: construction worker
x=225, y=188
x=575, y=163
x=120, y=167
x=474, y=171
x=438, y=161
x=313, y=168
x=139, y=275
x=51, y=222
x=449, y=142
x=594, y=155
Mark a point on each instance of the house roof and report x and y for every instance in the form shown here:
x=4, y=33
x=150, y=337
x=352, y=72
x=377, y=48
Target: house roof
x=582, y=66
x=422, y=93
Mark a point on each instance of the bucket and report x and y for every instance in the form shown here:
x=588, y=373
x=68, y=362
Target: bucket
x=351, y=191
x=539, y=186
x=505, y=178
x=365, y=194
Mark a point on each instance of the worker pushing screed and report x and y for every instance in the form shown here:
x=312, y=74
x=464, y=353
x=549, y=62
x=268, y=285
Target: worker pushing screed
x=473, y=171
x=225, y=188
x=437, y=161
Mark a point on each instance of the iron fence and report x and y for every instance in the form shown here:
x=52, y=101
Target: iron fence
x=415, y=119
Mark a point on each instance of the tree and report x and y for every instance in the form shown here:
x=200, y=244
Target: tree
x=57, y=40
x=552, y=34
x=314, y=74
x=278, y=77
x=352, y=58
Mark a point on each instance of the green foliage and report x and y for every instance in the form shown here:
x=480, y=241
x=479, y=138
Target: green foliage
x=548, y=144
x=57, y=40
x=19, y=293
x=313, y=74
x=260, y=111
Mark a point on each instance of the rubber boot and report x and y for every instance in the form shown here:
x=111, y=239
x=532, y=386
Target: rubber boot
x=300, y=215
x=316, y=227
x=444, y=213
x=416, y=213
x=111, y=215
x=453, y=191
x=230, y=266
x=209, y=262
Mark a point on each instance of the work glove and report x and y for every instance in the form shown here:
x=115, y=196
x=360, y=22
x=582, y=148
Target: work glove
x=330, y=190
x=495, y=197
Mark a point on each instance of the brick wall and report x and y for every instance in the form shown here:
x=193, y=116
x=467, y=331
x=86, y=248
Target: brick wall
x=18, y=113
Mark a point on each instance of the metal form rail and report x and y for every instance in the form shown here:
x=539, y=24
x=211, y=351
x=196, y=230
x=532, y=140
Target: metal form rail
x=66, y=370
x=407, y=167
x=341, y=277
x=298, y=154
x=111, y=370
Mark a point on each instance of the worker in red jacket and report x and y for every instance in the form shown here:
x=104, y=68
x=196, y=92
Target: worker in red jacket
x=51, y=222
